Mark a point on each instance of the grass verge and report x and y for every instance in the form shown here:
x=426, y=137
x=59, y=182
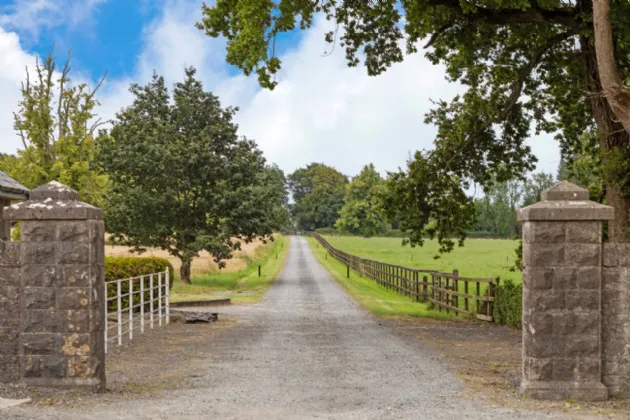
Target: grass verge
x=243, y=286
x=373, y=297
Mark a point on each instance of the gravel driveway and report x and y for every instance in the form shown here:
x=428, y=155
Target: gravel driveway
x=307, y=351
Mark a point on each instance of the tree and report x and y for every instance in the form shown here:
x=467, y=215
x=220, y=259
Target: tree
x=318, y=192
x=526, y=64
x=273, y=186
x=361, y=213
x=182, y=179
x=534, y=186
x=56, y=123
x=617, y=94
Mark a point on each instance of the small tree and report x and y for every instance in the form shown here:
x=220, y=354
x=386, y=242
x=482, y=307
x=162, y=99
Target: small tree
x=182, y=179
x=56, y=123
x=361, y=213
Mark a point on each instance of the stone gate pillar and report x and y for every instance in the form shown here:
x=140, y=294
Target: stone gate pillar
x=562, y=290
x=61, y=287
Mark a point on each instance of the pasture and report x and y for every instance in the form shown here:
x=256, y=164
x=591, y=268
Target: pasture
x=478, y=257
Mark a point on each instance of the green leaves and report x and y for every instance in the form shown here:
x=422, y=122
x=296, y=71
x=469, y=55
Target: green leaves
x=182, y=179
x=318, y=191
x=527, y=67
x=362, y=213
x=56, y=123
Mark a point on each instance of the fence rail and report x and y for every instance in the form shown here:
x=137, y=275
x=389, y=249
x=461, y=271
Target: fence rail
x=449, y=292
x=146, y=297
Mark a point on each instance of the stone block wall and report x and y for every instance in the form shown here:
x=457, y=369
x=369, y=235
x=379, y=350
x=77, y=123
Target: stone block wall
x=561, y=310
x=562, y=295
x=616, y=319
x=54, y=310
x=10, y=311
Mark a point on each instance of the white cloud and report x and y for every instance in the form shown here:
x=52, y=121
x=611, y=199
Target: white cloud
x=30, y=16
x=13, y=61
x=321, y=110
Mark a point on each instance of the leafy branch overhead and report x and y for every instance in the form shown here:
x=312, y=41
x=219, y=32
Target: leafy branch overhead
x=527, y=66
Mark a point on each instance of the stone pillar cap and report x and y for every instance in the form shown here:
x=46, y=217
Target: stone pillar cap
x=566, y=201
x=55, y=190
x=565, y=191
x=53, y=201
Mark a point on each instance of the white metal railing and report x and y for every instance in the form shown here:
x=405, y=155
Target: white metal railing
x=137, y=304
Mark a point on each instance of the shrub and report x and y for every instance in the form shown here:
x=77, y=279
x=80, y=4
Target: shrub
x=508, y=304
x=129, y=267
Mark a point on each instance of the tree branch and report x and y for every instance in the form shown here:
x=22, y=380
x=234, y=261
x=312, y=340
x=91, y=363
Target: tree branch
x=516, y=90
x=438, y=33
x=63, y=119
x=617, y=94
x=565, y=16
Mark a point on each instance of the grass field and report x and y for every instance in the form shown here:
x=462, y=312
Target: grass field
x=242, y=286
x=373, y=297
x=478, y=258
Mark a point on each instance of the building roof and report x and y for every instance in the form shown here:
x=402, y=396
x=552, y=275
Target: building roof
x=10, y=188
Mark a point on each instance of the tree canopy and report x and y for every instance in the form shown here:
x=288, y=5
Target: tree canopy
x=528, y=66
x=361, y=213
x=56, y=124
x=182, y=179
x=318, y=193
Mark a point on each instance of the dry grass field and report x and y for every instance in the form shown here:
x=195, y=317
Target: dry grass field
x=201, y=265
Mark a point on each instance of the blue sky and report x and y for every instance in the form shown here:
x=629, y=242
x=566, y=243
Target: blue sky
x=321, y=111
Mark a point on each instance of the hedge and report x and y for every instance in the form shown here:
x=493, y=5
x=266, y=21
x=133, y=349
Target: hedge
x=508, y=304
x=129, y=267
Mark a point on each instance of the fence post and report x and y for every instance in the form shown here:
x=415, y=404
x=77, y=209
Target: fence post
x=425, y=288
x=142, y=305
x=348, y=269
x=151, y=310
x=455, y=298
x=119, y=313
x=160, y=299
x=258, y=270
x=167, y=303
x=105, y=327
x=415, y=278
x=130, y=309
x=466, y=298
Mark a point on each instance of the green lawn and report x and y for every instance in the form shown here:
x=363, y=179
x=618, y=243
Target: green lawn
x=374, y=298
x=478, y=258
x=243, y=286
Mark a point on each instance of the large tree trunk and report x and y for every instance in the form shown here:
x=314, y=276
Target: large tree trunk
x=184, y=271
x=617, y=94
x=612, y=136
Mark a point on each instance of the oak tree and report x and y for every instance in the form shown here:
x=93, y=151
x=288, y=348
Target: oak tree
x=526, y=65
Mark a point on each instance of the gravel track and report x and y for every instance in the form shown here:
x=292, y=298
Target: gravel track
x=307, y=351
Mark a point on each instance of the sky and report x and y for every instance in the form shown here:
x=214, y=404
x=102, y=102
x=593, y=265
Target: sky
x=321, y=110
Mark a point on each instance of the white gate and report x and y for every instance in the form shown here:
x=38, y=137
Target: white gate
x=146, y=301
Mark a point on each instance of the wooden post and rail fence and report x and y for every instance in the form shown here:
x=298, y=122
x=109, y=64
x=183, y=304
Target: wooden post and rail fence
x=447, y=291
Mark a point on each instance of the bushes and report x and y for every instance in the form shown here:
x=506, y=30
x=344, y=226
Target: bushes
x=508, y=304
x=125, y=267
x=129, y=267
